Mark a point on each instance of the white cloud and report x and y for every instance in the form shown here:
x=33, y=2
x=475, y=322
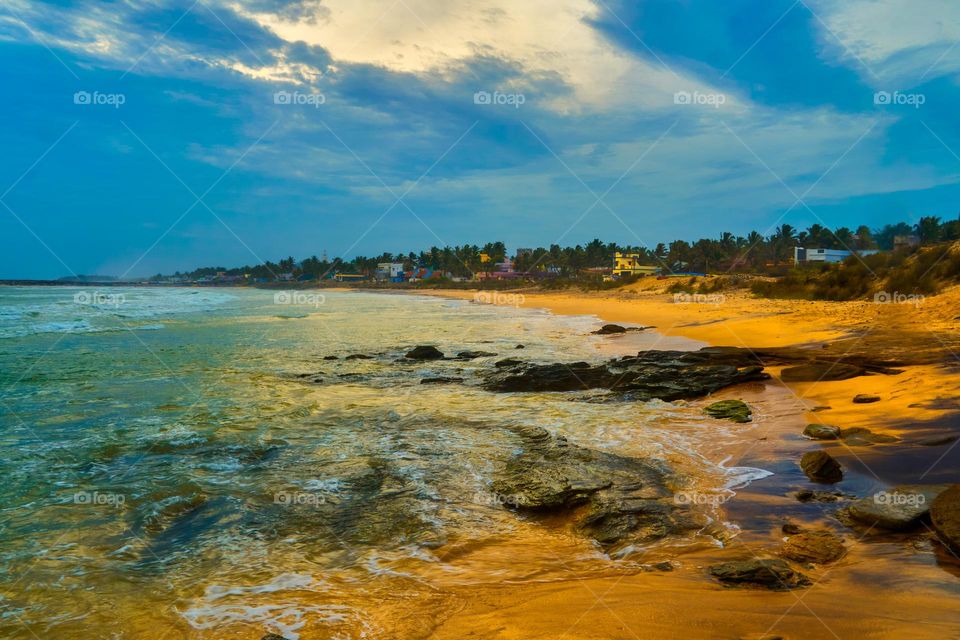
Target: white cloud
x=893, y=41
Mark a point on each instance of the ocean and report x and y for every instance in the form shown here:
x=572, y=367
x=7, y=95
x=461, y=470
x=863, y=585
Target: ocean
x=184, y=462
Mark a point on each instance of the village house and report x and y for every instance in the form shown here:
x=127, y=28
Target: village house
x=828, y=256
x=628, y=264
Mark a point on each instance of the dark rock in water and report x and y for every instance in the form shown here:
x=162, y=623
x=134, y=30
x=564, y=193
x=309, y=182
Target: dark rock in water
x=771, y=573
x=273, y=636
x=938, y=442
x=424, y=352
x=441, y=380
x=865, y=398
x=610, y=328
x=470, y=355
x=614, y=499
x=791, y=528
x=667, y=375
x=358, y=356
x=945, y=514
x=312, y=378
x=821, y=467
x=821, y=407
x=735, y=410
x=898, y=509
x=809, y=495
x=666, y=565
x=331, y=357
x=822, y=432
x=821, y=372
x=507, y=362
x=819, y=547
x=862, y=436
x=519, y=346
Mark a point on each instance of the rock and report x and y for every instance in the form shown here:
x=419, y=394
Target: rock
x=898, y=509
x=667, y=375
x=821, y=467
x=819, y=547
x=791, y=529
x=865, y=398
x=771, y=573
x=863, y=436
x=821, y=372
x=441, y=380
x=331, y=357
x=273, y=636
x=470, y=355
x=945, y=514
x=821, y=407
x=666, y=565
x=519, y=346
x=938, y=442
x=358, y=356
x=735, y=410
x=809, y=495
x=424, y=352
x=507, y=362
x=610, y=328
x=613, y=499
x=822, y=432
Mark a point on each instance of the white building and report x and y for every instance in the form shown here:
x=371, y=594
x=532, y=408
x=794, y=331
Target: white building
x=801, y=255
x=389, y=271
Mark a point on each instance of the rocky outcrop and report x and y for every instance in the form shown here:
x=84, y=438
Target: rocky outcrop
x=613, y=499
x=441, y=380
x=821, y=467
x=945, y=514
x=607, y=329
x=819, y=547
x=898, y=509
x=667, y=375
x=771, y=573
x=735, y=410
x=424, y=352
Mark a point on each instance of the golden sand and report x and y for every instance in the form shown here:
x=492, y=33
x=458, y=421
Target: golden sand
x=888, y=586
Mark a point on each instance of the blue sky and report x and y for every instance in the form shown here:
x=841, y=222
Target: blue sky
x=147, y=136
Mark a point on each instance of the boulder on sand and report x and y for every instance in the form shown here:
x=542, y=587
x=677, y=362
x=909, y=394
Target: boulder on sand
x=771, y=573
x=424, y=352
x=610, y=328
x=945, y=514
x=819, y=547
x=865, y=398
x=897, y=509
x=821, y=467
x=735, y=410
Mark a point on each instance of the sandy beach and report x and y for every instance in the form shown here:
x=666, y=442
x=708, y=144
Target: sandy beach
x=888, y=585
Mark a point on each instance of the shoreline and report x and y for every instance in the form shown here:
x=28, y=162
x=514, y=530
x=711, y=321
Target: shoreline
x=852, y=598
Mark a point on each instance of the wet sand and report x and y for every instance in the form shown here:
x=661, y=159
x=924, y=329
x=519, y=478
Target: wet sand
x=887, y=586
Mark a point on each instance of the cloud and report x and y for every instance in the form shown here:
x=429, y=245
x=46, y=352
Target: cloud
x=900, y=42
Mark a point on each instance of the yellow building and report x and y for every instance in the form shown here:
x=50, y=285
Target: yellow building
x=627, y=264
x=484, y=257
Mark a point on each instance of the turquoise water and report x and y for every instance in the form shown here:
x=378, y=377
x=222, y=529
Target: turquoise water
x=185, y=462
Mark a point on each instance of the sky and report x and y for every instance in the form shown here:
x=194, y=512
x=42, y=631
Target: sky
x=145, y=137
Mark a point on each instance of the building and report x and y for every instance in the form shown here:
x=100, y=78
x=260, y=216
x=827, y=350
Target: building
x=628, y=264
x=830, y=256
x=900, y=242
x=392, y=271
x=349, y=277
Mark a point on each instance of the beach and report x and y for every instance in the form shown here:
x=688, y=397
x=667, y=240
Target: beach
x=888, y=585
